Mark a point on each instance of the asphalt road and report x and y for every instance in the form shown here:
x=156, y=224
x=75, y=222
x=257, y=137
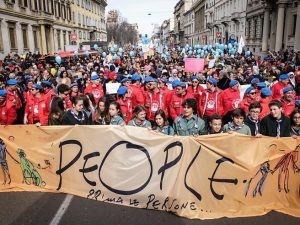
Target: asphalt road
x=44, y=208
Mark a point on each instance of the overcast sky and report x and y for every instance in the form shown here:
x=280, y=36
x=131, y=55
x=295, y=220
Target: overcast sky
x=136, y=11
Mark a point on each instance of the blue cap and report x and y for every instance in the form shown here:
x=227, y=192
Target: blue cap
x=266, y=92
x=261, y=85
x=297, y=102
x=254, y=81
x=287, y=89
x=165, y=81
x=283, y=76
x=249, y=89
x=175, y=83
x=3, y=93
x=155, y=80
x=38, y=87
x=46, y=82
x=12, y=82
x=213, y=81
x=148, y=79
x=124, y=80
x=95, y=77
x=122, y=90
x=182, y=84
x=28, y=77
x=233, y=83
x=194, y=78
x=136, y=77
x=73, y=85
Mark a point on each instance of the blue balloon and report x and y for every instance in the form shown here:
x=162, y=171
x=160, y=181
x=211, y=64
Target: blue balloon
x=225, y=46
x=112, y=49
x=87, y=53
x=198, y=56
x=222, y=54
x=205, y=52
x=104, y=54
x=230, y=46
x=187, y=46
x=115, y=57
x=209, y=47
x=199, y=51
x=58, y=59
x=247, y=53
x=83, y=48
x=190, y=48
x=115, y=46
x=76, y=53
x=178, y=48
x=190, y=52
x=120, y=53
x=141, y=53
x=121, y=50
x=202, y=55
x=232, y=56
x=131, y=53
x=95, y=46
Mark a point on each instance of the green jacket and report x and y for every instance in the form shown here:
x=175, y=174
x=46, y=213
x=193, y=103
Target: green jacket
x=193, y=126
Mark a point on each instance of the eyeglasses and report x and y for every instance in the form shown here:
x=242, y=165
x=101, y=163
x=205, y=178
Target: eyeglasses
x=253, y=111
x=195, y=81
x=33, y=89
x=252, y=93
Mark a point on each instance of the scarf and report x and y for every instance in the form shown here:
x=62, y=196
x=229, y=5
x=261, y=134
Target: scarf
x=80, y=120
x=256, y=124
x=232, y=126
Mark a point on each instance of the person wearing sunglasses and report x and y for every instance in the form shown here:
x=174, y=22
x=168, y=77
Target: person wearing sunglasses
x=288, y=100
x=250, y=96
x=195, y=89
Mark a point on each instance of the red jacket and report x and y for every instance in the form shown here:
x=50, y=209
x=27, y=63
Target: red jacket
x=8, y=113
x=230, y=100
x=48, y=97
x=277, y=90
x=175, y=105
x=154, y=102
x=136, y=94
x=96, y=91
x=196, y=92
x=246, y=102
x=67, y=102
x=36, y=109
x=210, y=104
x=287, y=107
x=14, y=98
x=126, y=108
x=264, y=102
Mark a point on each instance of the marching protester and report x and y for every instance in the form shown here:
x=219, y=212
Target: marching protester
x=152, y=92
x=189, y=123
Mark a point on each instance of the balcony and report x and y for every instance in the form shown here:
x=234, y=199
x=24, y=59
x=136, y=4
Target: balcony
x=235, y=16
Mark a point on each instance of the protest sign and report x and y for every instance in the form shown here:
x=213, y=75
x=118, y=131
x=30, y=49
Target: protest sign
x=194, y=65
x=112, y=88
x=211, y=176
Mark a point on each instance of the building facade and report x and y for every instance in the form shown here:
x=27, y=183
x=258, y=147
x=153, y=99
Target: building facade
x=272, y=25
x=45, y=26
x=189, y=26
x=201, y=33
x=89, y=20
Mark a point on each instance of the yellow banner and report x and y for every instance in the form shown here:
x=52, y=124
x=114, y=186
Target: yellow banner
x=207, y=177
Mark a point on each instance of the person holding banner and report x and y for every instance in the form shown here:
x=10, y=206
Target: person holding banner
x=237, y=125
x=161, y=123
x=8, y=112
x=115, y=114
x=215, y=125
x=76, y=115
x=139, y=119
x=189, y=123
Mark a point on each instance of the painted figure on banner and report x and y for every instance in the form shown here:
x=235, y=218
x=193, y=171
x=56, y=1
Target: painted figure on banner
x=30, y=174
x=289, y=159
x=3, y=163
x=264, y=170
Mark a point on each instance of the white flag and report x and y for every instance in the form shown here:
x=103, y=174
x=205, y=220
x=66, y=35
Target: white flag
x=241, y=45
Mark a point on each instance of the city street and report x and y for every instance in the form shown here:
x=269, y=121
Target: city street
x=41, y=208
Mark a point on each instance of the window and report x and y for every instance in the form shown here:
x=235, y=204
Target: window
x=23, y=3
x=35, y=37
x=34, y=6
x=63, y=11
x=58, y=40
x=294, y=25
x=12, y=35
x=64, y=39
x=1, y=40
x=24, y=36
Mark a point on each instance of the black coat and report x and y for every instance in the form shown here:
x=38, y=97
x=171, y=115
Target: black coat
x=269, y=126
x=251, y=124
x=69, y=119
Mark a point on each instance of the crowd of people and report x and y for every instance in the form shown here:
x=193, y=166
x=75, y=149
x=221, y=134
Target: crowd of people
x=156, y=92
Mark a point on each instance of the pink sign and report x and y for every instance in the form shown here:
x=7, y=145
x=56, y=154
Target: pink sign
x=194, y=65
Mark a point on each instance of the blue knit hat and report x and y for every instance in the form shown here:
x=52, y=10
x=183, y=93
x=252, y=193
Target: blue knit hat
x=122, y=90
x=261, y=85
x=283, y=77
x=47, y=83
x=297, y=102
x=254, y=81
x=213, y=81
x=194, y=78
x=95, y=77
x=124, y=80
x=38, y=87
x=287, y=89
x=3, y=93
x=175, y=83
x=148, y=79
x=136, y=77
x=12, y=82
x=266, y=92
x=233, y=83
x=249, y=89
